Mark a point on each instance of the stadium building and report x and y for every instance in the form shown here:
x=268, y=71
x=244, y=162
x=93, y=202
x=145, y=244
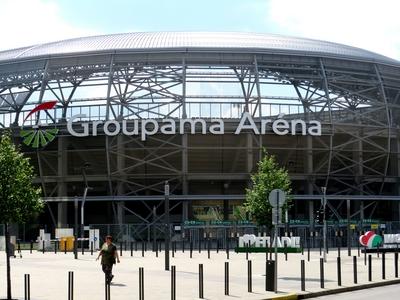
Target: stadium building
x=110, y=118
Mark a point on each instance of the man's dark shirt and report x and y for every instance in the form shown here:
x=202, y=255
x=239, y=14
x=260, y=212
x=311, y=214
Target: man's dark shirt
x=108, y=254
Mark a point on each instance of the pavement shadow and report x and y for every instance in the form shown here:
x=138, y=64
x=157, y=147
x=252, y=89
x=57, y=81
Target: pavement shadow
x=307, y=279
x=117, y=284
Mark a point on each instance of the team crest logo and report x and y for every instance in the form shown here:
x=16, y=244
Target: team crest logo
x=370, y=239
x=38, y=136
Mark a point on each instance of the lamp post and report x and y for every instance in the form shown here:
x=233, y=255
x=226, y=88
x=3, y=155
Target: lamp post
x=167, y=224
x=324, y=218
x=87, y=187
x=76, y=228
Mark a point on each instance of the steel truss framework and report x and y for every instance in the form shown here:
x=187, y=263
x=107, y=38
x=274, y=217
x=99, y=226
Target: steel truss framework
x=357, y=103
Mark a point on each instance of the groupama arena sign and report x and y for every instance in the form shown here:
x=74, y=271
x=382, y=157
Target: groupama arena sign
x=148, y=127
x=39, y=136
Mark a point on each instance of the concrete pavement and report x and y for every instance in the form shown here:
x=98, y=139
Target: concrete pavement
x=49, y=275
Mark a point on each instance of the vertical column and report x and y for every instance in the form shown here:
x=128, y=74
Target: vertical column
x=121, y=172
x=61, y=184
x=358, y=168
x=396, y=204
x=249, y=156
x=309, y=168
x=259, y=104
x=185, y=204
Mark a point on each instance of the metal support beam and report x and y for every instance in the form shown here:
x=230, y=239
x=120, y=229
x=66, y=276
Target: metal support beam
x=109, y=85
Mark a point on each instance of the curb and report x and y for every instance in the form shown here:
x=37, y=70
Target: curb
x=293, y=296
x=348, y=289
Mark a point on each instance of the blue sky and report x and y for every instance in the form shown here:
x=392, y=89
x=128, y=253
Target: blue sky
x=167, y=15
x=369, y=24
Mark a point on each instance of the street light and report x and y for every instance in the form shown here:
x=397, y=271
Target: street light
x=167, y=223
x=86, y=165
x=323, y=189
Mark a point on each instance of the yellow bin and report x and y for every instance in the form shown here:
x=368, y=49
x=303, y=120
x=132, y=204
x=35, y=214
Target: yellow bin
x=69, y=245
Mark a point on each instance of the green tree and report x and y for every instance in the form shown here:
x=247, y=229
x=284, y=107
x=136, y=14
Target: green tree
x=19, y=198
x=269, y=176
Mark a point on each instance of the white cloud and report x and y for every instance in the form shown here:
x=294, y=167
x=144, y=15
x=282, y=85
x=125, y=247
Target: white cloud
x=369, y=24
x=28, y=22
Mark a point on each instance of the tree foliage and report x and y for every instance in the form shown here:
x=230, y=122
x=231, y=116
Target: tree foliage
x=19, y=199
x=269, y=176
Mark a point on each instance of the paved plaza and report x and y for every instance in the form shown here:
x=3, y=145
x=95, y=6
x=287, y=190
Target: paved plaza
x=49, y=275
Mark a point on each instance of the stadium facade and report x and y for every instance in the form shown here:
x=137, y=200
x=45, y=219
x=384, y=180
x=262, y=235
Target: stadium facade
x=123, y=113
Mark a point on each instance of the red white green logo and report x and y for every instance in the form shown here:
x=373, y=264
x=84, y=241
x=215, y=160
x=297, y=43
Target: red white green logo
x=370, y=239
x=37, y=136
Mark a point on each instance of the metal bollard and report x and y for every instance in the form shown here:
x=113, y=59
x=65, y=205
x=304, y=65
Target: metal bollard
x=383, y=266
x=339, y=271
x=131, y=246
x=19, y=246
x=349, y=250
x=65, y=247
x=266, y=273
x=321, y=272
x=396, y=265
x=355, y=269
x=183, y=246
x=365, y=256
x=135, y=246
x=91, y=248
x=83, y=248
x=226, y=278
x=201, y=282
x=227, y=250
x=31, y=247
x=120, y=249
x=43, y=248
x=141, y=283
x=191, y=249
x=70, y=285
x=142, y=249
x=208, y=248
x=369, y=267
x=27, y=289
x=308, y=253
x=249, y=277
x=75, y=249
x=55, y=247
x=173, y=283
x=107, y=288
x=286, y=253
x=303, y=275
x=217, y=245
x=320, y=247
x=199, y=245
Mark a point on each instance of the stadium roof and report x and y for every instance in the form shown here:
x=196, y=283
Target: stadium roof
x=194, y=41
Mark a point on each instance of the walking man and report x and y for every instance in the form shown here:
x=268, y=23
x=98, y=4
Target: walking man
x=109, y=255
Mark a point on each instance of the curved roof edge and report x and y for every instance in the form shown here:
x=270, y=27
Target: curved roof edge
x=212, y=41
